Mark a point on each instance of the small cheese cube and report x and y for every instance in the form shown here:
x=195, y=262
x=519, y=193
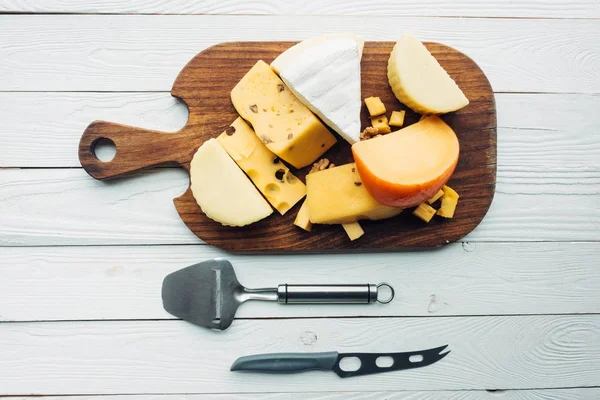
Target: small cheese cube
x=449, y=202
x=337, y=196
x=381, y=123
x=303, y=219
x=265, y=169
x=280, y=120
x=375, y=106
x=353, y=230
x=397, y=118
x=424, y=212
x=436, y=196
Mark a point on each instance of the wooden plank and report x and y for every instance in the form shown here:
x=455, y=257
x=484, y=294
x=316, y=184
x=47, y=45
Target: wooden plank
x=72, y=283
x=533, y=129
x=67, y=207
x=463, y=8
x=177, y=357
x=532, y=394
x=145, y=53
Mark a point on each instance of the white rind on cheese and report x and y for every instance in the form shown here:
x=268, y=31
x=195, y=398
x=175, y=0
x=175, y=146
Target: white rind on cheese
x=420, y=82
x=222, y=190
x=324, y=74
x=289, y=56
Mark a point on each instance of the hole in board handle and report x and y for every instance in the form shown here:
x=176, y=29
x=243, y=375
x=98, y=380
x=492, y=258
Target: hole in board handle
x=104, y=149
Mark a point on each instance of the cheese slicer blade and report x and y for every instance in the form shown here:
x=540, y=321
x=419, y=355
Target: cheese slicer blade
x=208, y=294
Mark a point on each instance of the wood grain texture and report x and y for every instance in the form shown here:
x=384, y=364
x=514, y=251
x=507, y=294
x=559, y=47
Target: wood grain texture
x=519, y=394
x=554, y=130
x=463, y=8
x=145, y=53
x=177, y=357
x=205, y=84
x=91, y=283
x=67, y=207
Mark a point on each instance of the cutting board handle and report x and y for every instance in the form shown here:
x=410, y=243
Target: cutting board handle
x=136, y=149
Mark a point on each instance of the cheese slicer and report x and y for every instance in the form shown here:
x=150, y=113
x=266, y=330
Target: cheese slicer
x=208, y=294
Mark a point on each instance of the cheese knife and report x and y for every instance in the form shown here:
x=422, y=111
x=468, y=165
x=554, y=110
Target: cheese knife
x=330, y=361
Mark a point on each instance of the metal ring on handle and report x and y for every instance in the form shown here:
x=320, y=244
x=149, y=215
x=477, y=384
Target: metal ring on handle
x=392, y=293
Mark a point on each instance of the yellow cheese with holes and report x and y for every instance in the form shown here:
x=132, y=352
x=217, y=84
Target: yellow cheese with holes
x=337, y=196
x=302, y=218
x=222, y=190
x=279, y=119
x=353, y=230
x=381, y=123
x=419, y=81
x=449, y=202
x=265, y=169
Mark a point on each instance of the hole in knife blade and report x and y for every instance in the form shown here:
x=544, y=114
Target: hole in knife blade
x=350, y=364
x=417, y=358
x=384, y=361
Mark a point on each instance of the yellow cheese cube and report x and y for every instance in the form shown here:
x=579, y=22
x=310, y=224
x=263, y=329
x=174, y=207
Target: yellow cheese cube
x=280, y=120
x=337, y=196
x=424, y=212
x=303, y=219
x=375, y=106
x=353, y=230
x=381, y=123
x=449, y=202
x=397, y=118
x=265, y=169
x=436, y=196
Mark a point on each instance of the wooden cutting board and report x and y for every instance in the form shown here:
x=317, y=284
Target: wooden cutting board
x=204, y=85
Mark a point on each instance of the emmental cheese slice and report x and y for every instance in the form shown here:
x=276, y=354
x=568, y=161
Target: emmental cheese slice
x=222, y=190
x=279, y=119
x=420, y=82
x=324, y=73
x=337, y=196
x=265, y=169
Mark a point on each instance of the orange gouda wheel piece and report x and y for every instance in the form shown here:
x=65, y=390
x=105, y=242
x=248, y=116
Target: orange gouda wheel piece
x=409, y=166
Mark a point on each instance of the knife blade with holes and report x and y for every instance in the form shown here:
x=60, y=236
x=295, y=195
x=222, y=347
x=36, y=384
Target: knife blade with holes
x=370, y=363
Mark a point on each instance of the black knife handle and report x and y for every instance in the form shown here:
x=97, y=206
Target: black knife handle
x=286, y=362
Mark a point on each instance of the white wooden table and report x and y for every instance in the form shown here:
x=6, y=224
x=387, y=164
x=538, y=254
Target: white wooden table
x=81, y=261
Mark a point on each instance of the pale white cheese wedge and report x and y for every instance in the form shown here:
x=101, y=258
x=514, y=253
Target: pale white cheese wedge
x=222, y=190
x=420, y=82
x=324, y=74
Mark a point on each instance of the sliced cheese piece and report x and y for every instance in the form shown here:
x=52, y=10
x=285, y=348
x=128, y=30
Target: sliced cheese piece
x=324, y=73
x=449, y=202
x=381, y=124
x=337, y=196
x=436, y=197
x=424, y=212
x=375, y=106
x=353, y=230
x=303, y=219
x=222, y=190
x=280, y=120
x=271, y=176
x=420, y=82
x=397, y=118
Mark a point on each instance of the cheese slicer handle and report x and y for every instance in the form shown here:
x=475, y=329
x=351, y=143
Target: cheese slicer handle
x=136, y=149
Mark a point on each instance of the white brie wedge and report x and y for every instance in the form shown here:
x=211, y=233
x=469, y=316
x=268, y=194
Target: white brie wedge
x=324, y=74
